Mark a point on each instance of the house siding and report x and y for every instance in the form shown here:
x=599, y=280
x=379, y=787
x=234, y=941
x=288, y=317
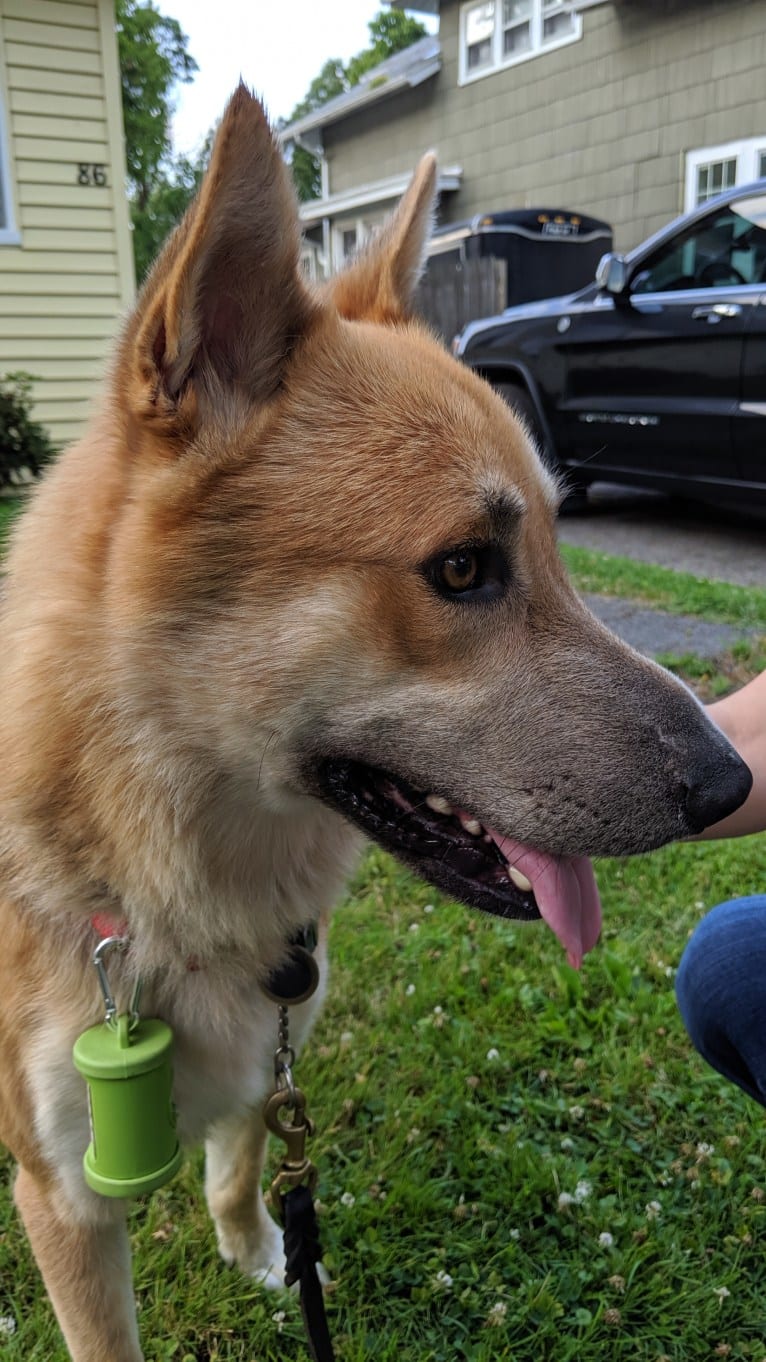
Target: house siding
x=64, y=287
x=601, y=125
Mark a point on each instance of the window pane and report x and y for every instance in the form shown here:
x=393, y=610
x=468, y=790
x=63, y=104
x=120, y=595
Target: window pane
x=517, y=40
x=727, y=249
x=557, y=22
x=480, y=23
x=479, y=35
x=558, y=26
x=3, y=209
x=480, y=55
x=714, y=177
x=516, y=10
x=761, y=164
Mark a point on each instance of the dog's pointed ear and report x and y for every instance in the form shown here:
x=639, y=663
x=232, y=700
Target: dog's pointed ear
x=380, y=284
x=225, y=302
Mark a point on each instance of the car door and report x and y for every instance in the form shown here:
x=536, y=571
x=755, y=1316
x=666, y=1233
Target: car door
x=750, y=415
x=653, y=375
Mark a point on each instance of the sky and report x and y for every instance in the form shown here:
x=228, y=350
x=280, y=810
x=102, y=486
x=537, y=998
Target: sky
x=277, y=46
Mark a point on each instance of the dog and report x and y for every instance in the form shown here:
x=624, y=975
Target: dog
x=298, y=585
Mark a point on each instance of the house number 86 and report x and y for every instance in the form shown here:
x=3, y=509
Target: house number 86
x=91, y=174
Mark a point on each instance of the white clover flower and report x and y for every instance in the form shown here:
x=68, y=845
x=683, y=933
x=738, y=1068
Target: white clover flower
x=653, y=1209
x=565, y=1199
x=7, y=1324
x=582, y=1191
x=605, y=1239
x=497, y=1314
x=567, y=1144
x=409, y=990
x=346, y=1037
x=428, y=908
x=514, y=1234
x=721, y=1292
x=577, y=1113
x=705, y=1150
x=493, y=1053
x=438, y=1011
x=279, y=1318
x=348, y=1199
x=443, y=1280
x=414, y=926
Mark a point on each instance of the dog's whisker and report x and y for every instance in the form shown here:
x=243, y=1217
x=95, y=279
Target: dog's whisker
x=274, y=734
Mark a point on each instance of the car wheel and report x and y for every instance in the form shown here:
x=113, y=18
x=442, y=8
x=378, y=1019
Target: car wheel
x=521, y=404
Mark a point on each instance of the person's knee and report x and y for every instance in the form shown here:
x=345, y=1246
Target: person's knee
x=716, y=978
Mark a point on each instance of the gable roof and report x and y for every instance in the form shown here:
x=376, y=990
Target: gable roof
x=404, y=70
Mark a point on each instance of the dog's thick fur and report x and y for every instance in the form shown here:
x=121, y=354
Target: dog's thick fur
x=221, y=585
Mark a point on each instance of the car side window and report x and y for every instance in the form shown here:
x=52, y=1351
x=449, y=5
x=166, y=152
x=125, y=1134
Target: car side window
x=725, y=250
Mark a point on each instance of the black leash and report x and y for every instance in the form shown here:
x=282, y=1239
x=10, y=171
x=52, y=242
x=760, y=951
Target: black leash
x=292, y=1191
x=303, y=1252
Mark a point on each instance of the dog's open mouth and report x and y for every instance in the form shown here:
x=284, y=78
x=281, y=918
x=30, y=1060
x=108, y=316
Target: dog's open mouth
x=455, y=852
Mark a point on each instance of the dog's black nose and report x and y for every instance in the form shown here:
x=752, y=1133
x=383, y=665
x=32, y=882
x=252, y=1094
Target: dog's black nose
x=716, y=789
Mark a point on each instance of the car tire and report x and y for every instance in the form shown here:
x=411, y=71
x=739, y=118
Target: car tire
x=520, y=402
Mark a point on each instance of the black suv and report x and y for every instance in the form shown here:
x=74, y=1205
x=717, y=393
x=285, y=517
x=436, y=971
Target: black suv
x=655, y=374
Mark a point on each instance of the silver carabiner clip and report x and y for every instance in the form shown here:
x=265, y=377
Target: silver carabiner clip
x=110, y=1006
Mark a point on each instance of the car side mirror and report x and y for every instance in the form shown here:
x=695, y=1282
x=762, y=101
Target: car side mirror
x=612, y=274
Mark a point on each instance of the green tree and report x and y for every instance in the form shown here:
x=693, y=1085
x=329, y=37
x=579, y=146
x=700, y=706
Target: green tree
x=390, y=32
x=153, y=59
x=170, y=196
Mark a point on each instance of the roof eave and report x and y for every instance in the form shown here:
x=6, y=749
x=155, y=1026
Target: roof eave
x=378, y=192
x=325, y=115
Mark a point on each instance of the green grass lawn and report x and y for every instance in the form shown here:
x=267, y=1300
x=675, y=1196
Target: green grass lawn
x=516, y=1161
x=679, y=592
x=9, y=509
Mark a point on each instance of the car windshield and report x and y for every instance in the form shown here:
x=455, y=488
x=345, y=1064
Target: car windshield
x=724, y=250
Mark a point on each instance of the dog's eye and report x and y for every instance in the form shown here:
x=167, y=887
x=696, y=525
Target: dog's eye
x=468, y=572
x=460, y=571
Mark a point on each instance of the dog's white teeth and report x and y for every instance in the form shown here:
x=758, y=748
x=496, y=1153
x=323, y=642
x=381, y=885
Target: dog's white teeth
x=438, y=804
x=472, y=826
x=519, y=879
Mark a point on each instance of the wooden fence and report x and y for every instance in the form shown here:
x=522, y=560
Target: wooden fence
x=450, y=295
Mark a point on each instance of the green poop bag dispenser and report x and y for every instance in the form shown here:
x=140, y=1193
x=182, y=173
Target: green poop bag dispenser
x=126, y=1061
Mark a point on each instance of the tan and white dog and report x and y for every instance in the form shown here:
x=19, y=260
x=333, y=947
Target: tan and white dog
x=297, y=583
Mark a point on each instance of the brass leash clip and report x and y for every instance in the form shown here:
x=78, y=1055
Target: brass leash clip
x=296, y=1168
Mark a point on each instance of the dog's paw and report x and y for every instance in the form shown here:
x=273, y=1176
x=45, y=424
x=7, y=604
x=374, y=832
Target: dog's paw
x=257, y=1251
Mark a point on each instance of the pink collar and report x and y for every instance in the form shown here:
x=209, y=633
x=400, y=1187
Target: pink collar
x=105, y=926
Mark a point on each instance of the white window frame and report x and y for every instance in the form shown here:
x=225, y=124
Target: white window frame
x=501, y=63
x=747, y=152
x=9, y=233
x=364, y=228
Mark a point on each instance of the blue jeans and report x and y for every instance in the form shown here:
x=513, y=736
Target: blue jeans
x=721, y=991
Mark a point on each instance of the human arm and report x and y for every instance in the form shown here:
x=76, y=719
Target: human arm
x=742, y=717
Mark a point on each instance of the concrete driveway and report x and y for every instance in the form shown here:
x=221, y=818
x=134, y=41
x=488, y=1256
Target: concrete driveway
x=729, y=546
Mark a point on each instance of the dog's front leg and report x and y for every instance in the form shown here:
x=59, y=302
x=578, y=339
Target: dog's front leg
x=86, y=1269
x=235, y=1152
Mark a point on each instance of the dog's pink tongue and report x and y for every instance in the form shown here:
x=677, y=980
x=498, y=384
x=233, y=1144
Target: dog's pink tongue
x=565, y=891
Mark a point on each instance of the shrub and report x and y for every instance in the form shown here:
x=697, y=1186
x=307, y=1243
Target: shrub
x=25, y=445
